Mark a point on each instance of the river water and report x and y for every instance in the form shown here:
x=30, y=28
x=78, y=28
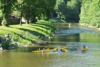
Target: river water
x=71, y=36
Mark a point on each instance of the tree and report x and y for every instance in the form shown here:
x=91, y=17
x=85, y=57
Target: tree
x=6, y=9
x=30, y=10
x=90, y=12
x=59, y=7
x=34, y=9
x=48, y=8
x=73, y=10
x=68, y=9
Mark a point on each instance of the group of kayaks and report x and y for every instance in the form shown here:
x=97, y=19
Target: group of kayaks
x=55, y=50
x=50, y=50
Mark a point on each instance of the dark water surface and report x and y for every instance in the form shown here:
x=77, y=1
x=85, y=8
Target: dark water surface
x=73, y=37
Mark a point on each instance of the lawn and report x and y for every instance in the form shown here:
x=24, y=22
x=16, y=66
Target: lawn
x=28, y=33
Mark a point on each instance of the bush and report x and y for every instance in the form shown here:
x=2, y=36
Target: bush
x=4, y=22
x=6, y=42
x=5, y=45
x=0, y=38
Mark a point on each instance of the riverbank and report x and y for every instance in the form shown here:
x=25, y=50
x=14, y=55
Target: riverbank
x=90, y=26
x=28, y=33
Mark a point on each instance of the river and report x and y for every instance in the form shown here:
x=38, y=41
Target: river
x=71, y=36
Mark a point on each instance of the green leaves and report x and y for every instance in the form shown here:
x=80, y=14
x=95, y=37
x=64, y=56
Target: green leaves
x=90, y=12
x=68, y=9
x=6, y=9
x=31, y=10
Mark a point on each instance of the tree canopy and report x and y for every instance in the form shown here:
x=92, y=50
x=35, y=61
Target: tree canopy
x=84, y=11
x=30, y=10
x=68, y=9
x=90, y=12
x=6, y=9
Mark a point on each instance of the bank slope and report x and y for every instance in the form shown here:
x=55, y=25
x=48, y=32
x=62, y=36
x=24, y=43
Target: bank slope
x=28, y=33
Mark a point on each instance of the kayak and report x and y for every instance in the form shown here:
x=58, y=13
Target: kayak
x=46, y=50
x=42, y=51
x=49, y=50
x=64, y=50
x=84, y=49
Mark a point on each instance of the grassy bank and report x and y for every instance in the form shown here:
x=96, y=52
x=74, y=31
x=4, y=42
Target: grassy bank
x=28, y=33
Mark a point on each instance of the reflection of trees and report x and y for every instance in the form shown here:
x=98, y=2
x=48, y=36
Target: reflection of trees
x=67, y=38
x=70, y=38
x=92, y=38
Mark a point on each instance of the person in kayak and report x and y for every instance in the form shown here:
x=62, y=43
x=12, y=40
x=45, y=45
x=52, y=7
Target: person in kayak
x=84, y=46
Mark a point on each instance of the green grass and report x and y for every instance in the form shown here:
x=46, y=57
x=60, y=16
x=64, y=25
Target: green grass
x=27, y=33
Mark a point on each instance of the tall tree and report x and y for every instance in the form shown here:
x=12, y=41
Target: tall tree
x=30, y=10
x=6, y=9
x=90, y=12
x=34, y=9
x=68, y=9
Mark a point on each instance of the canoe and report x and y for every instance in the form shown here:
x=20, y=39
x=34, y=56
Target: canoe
x=84, y=49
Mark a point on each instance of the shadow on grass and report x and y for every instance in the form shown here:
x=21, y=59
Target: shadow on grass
x=40, y=29
x=45, y=24
x=13, y=33
x=30, y=31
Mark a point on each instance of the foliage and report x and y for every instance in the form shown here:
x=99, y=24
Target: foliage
x=1, y=38
x=73, y=10
x=90, y=12
x=30, y=10
x=33, y=10
x=4, y=22
x=5, y=45
x=60, y=7
x=68, y=9
x=6, y=9
x=57, y=21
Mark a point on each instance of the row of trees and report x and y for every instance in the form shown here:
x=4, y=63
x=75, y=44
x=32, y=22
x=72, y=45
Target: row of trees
x=68, y=9
x=31, y=10
x=85, y=11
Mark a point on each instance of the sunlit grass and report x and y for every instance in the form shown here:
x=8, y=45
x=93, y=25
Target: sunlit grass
x=27, y=33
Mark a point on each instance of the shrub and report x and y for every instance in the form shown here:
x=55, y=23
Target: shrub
x=0, y=38
x=5, y=45
x=4, y=22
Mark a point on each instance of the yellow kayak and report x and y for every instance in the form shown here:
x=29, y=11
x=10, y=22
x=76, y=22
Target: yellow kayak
x=38, y=51
x=64, y=50
x=84, y=49
x=46, y=50
x=50, y=50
